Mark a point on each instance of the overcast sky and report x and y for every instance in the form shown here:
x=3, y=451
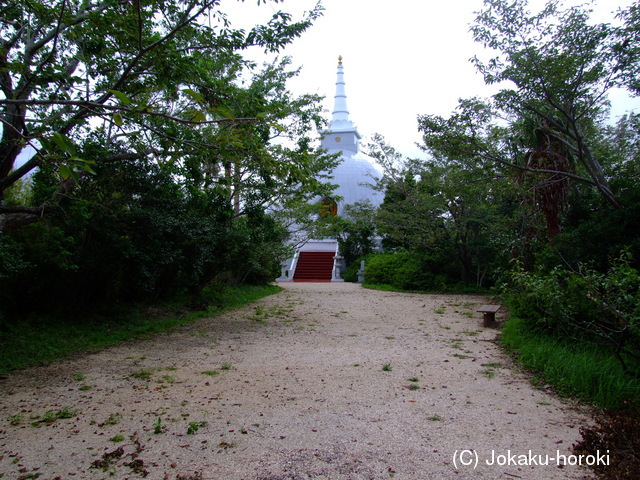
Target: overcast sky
x=401, y=58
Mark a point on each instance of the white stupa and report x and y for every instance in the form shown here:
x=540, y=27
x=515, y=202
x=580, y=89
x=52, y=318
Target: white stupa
x=319, y=260
x=355, y=171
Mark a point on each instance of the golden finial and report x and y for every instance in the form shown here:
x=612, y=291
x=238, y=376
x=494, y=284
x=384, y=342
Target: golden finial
x=340, y=60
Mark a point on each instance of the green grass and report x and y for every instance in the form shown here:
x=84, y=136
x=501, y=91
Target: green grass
x=46, y=339
x=583, y=371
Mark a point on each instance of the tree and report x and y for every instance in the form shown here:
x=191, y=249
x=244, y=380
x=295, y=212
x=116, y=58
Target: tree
x=440, y=207
x=155, y=78
x=561, y=66
x=628, y=47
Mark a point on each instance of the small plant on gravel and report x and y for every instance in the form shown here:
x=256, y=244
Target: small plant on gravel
x=193, y=427
x=158, y=428
x=414, y=379
x=225, y=366
x=166, y=379
x=493, y=365
x=488, y=372
x=211, y=373
x=434, y=418
x=142, y=374
x=51, y=416
x=85, y=388
x=440, y=310
x=387, y=367
x=113, y=419
x=117, y=439
x=471, y=333
x=78, y=377
x=16, y=419
x=413, y=386
x=260, y=315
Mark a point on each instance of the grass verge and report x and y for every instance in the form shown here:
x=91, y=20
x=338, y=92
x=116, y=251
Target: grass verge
x=45, y=339
x=582, y=371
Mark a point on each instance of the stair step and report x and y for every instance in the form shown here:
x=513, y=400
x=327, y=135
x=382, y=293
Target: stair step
x=314, y=266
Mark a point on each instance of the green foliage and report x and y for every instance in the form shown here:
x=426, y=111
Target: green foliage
x=43, y=339
x=440, y=206
x=356, y=235
x=193, y=427
x=52, y=416
x=156, y=154
x=158, y=428
x=162, y=75
x=131, y=233
x=561, y=64
x=598, y=308
x=585, y=371
x=406, y=271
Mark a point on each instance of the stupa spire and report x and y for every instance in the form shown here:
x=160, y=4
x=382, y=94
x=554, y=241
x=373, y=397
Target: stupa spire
x=342, y=133
x=340, y=117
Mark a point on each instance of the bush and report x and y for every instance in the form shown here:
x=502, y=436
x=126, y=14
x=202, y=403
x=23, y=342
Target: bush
x=407, y=271
x=586, y=305
x=132, y=234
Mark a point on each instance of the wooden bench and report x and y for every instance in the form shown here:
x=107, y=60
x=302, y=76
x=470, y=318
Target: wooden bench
x=489, y=314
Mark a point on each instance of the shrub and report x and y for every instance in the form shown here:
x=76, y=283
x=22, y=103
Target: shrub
x=586, y=305
x=409, y=271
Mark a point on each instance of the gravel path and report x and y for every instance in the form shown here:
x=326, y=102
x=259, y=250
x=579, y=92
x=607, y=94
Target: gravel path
x=322, y=381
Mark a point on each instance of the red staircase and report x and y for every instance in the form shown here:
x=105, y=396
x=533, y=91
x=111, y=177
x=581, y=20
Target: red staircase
x=314, y=267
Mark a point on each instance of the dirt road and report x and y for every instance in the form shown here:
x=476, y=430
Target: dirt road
x=322, y=381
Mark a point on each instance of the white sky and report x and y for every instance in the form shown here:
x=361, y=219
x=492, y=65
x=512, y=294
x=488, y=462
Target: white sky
x=401, y=58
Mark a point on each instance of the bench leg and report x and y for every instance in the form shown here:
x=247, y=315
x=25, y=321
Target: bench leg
x=489, y=319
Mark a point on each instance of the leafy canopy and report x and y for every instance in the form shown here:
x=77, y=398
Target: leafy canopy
x=147, y=79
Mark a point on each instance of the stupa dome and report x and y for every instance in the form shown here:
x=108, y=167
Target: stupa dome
x=356, y=170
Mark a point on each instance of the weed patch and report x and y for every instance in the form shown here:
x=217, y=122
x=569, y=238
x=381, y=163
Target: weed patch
x=51, y=417
x=142, y=374
x=15, y=420
x=193, y=427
